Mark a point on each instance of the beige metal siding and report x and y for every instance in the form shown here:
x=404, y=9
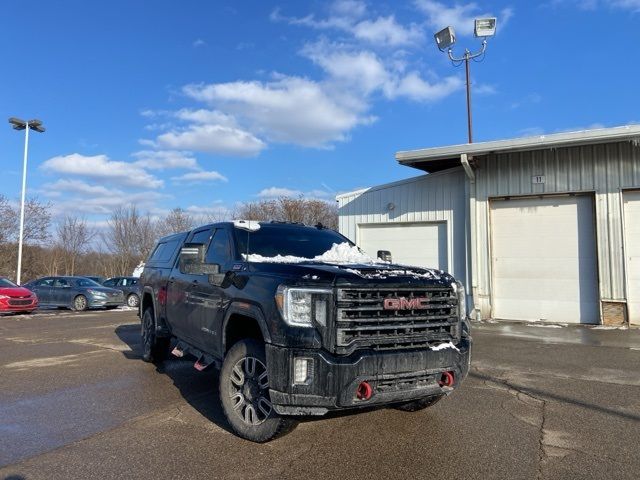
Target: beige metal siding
x=604, y=169
x=438, y=197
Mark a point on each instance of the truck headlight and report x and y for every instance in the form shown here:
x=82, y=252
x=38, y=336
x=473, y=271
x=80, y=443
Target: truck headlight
x=302, y=307
x=462, y=300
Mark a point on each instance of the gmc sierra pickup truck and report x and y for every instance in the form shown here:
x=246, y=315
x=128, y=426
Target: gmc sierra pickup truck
x=301, y=322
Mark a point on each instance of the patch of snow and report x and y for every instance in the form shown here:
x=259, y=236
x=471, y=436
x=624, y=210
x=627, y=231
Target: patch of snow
x=138, y=270
x=249, y=225
x=341, y=253
x=608, y=327
x=547, y=325
x=444, y=346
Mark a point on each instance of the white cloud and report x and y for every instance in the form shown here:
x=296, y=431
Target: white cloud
x=218, y=139
x=205, y=116
x=277, y=192
x=78, y=187
x=100, y=167
x=347, y=16
x=386, y=31
x=460, y=16
x=199, y=177
x=199, y=43
x=164, y=159
x=416, y=88
x=288, y=109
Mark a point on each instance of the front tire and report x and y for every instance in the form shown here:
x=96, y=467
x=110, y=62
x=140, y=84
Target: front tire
x=154, y=349
x=417, y=405
x=80, y=303
x=244, y=394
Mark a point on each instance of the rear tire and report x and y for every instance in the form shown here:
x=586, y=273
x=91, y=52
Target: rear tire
x=244, y=394
x=154, y=349
x=80, y=303
x=417, y=405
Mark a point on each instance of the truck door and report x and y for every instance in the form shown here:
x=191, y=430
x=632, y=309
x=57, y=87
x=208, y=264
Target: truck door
x=185, y=297
x=216, y=298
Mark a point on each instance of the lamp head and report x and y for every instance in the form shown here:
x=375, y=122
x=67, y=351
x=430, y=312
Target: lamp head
x=445, y=38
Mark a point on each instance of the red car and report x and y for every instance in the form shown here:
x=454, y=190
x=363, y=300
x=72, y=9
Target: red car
x=16, y=299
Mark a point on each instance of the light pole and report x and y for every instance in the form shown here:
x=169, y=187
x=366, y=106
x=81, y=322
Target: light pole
x=445, y=38
x=35, y=125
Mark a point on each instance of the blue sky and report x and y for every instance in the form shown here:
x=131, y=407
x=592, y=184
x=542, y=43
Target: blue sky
x=204, y=104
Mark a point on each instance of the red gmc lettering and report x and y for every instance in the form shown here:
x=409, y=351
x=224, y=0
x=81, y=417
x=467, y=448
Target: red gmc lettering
x=403, y=303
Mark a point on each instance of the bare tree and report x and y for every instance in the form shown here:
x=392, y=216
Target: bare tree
x=129, y=237
x=8, y=220
x=73, y=238
x=177, y=220
x=37, y=220
x=286, y=209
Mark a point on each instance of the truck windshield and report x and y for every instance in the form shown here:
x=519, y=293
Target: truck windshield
x=295, y=240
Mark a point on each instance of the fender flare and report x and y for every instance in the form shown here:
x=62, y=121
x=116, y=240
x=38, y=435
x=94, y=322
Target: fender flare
x=246, y=310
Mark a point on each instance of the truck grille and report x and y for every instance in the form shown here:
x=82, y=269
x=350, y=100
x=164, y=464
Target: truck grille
x=362, y=320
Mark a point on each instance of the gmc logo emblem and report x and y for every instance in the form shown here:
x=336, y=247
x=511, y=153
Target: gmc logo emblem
x=402, y=303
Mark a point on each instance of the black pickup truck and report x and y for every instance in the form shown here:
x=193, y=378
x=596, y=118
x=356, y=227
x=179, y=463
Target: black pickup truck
x=300, y=322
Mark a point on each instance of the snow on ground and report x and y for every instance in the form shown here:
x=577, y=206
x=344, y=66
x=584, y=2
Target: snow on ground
x=547, y=325
x=609, y=327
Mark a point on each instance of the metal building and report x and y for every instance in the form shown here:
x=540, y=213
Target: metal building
x=539, y=229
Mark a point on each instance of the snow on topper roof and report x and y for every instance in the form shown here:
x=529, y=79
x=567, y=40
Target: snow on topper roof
x=339, y=253
x=250, y=225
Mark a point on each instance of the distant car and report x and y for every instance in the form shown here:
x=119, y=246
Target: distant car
x=77, y=293
x=129, y=286
x=16, y=299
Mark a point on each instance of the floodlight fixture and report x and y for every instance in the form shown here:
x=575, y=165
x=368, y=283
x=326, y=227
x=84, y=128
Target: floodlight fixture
x=17, y=123
x=445, y=38
x=485, y=27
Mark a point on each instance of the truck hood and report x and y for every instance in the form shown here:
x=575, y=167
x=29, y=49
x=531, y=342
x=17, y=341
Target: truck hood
x=311, y=272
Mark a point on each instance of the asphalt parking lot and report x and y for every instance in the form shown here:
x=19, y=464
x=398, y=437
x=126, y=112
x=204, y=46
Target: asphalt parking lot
x=77, y=402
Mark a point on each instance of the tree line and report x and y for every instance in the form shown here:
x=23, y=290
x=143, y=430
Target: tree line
x=71, y=245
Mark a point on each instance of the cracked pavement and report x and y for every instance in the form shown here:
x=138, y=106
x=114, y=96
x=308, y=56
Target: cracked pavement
x=76, y=401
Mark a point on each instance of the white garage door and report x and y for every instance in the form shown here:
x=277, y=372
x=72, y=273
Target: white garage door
x=420, y=244
x=632, y=241
x=544, y=260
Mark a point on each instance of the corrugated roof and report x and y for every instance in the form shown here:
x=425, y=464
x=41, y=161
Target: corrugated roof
x=438, y=158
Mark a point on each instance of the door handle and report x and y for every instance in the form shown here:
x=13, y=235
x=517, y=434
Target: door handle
x=195, y=282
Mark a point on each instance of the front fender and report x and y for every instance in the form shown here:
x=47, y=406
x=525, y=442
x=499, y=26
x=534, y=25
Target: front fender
x=247, y=310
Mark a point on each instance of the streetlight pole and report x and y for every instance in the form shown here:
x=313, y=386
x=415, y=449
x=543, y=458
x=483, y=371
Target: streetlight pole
x=445, y=38
x=18, y=124
x=468, y=56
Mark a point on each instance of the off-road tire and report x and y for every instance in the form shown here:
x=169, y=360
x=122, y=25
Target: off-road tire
x=154, y=349
x=133, y=300
x=80, y=303
x=260, y=427
x=417, y=405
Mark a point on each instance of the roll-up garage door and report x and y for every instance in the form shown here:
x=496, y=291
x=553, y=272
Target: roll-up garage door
x=632, y=244
x=420, y=244
x=544, y=259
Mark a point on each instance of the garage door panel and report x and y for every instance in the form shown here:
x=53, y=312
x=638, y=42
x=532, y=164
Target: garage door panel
x=632, y=244
x=544, y=260
x=420, y=244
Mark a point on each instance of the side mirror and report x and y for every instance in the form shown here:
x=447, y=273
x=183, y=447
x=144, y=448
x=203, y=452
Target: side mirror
x=384, y=255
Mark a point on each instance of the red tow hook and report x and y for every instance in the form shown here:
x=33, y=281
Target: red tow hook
x=446, y=379
x=364, y=391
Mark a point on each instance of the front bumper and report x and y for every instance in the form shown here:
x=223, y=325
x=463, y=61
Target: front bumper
x=106, y=302
x=8, y=307
x=395, y=376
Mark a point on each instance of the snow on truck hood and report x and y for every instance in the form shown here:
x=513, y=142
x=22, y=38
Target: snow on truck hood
x=359, y=263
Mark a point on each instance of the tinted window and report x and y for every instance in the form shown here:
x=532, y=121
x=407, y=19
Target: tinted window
x=299, y=241
x=61, y=282
x=201, y=236
x=220, y=248
x=86, y=282
x=164, y=251
x=45, y=282
x=111, y=282
x=6, y=283
x=128, y=282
